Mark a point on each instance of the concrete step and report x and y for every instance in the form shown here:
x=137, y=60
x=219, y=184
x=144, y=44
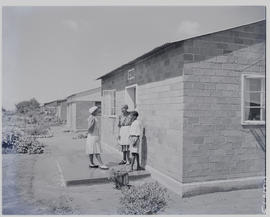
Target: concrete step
x=103, y=178
x=74, y=169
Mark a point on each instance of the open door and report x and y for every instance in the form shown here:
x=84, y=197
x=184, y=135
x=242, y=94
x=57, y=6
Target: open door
x=131, y=97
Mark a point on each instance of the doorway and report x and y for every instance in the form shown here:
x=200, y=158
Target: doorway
x=131, y=97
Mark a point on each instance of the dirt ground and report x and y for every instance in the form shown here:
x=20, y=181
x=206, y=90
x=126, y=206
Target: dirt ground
x=32, y=185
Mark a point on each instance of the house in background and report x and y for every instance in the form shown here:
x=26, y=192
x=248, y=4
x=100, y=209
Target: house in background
x=201, y=102
x=61, y=110
x=78, y=108
x=51, y=107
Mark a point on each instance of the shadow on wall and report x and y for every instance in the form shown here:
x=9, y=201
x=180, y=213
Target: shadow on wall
x=259, y=135
x=144, y=150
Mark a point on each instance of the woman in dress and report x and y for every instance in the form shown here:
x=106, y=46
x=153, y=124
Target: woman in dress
x=93, y=146
x=124, y=123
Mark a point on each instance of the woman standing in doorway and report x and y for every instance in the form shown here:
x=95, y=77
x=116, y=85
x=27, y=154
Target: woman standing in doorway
x=124, y=123
x=93, y=146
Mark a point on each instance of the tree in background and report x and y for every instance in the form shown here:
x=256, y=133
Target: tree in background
x=26, y=106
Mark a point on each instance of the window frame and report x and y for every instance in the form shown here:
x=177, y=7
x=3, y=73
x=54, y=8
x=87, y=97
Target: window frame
x=102, y=113
x=250, y=122
x=136, y=95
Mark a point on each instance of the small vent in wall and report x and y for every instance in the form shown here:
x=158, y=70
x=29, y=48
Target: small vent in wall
x=131, y=74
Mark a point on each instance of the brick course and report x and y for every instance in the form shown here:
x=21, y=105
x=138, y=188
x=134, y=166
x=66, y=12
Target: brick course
x=159, y=102
x=230, y=149
x=189, y=101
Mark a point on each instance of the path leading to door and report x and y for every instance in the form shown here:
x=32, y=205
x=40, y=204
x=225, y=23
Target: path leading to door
x=72, y=162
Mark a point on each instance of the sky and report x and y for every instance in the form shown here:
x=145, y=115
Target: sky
x=52, y=52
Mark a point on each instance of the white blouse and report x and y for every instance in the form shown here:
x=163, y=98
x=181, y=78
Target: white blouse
x=135, y=128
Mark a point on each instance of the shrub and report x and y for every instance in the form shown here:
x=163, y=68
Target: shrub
x=146, y=199
x=119, y=176
x=29, y=145
x=15, y=141
x=37, y=130
x=10, y=140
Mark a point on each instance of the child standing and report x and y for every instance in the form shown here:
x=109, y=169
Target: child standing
x=134, y=138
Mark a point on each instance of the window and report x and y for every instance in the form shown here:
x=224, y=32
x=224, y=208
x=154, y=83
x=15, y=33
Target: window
x=253, y=99
x=108, y=103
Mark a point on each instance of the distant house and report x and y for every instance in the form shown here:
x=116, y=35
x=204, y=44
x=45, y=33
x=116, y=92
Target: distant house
x=51, y=104
x=201, y=102
x=61, y=110
x=51, y=107
x=78, y=108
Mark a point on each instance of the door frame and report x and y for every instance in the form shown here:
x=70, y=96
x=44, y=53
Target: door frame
x=136, y=95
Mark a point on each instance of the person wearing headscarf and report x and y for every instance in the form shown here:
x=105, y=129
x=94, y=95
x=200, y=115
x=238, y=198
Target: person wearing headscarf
x=93, y=146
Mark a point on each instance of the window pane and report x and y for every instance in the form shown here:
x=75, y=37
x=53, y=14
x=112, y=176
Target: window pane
x=252, y=114
x=253, y=84
x=252, y=99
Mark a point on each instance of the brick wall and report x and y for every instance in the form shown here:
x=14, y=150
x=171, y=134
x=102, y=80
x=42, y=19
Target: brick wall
x=160, y=107
x=193, y=122
x=167, y=63
x=215, y=144
x=159, y=104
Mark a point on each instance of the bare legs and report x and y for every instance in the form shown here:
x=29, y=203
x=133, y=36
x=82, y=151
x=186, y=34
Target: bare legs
x=91, y=158
x=101, y=165
x=135, y=156
x=99, y=159
x=126, y=157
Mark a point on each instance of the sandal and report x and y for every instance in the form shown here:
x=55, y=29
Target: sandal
x=122, y=162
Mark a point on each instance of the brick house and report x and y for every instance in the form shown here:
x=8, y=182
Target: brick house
x=201, y=102
x=77, y=108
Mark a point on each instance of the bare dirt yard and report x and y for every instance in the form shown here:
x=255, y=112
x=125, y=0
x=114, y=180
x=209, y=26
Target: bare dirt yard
x=32, y=184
